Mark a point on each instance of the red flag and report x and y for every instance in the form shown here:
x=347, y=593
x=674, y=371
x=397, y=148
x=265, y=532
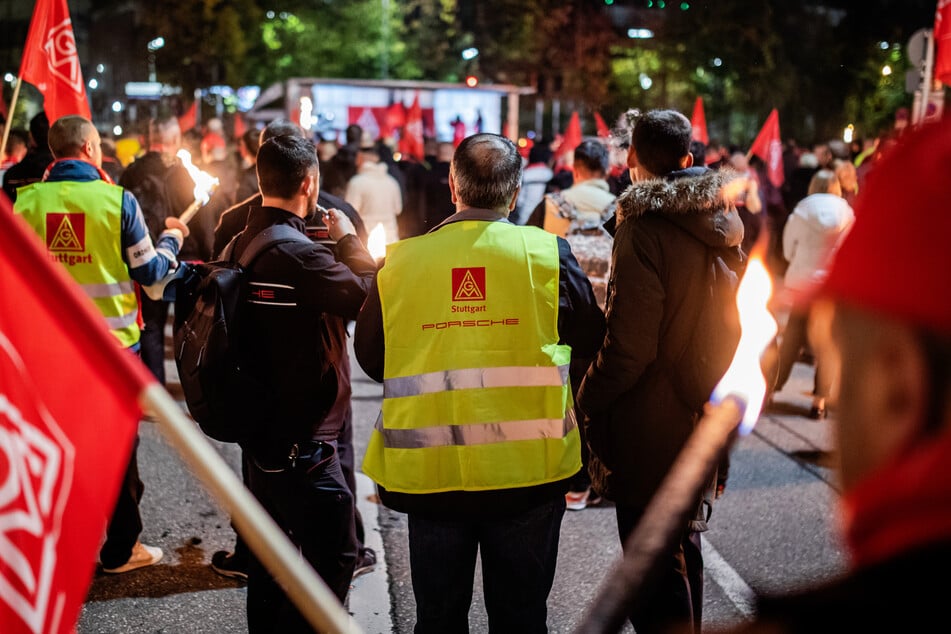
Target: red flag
x=411, y=141
x=190, y=119
x=603, y=130
x=458, y=131
x=572, y=138
x=699, y=123
x=68, y=415
x=769, y=147
x=239, y=126
x=942, y=40
x=51, y=63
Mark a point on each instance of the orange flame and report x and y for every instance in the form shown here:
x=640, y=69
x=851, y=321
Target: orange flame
x=376, y=242
x=205, y=183
x=744, y=378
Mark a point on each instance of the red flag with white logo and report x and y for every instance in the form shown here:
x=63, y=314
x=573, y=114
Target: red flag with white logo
x=699, y=123
x=411, y=141
x=942, y=40
x=769, y=147
x=68, y=415
x=50, y=61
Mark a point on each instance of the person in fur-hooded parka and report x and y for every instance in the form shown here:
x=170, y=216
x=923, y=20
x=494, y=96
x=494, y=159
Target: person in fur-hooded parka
x=636, y=419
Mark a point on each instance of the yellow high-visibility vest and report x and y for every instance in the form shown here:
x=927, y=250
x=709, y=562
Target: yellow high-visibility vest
x=476, y=394
x=81, y=224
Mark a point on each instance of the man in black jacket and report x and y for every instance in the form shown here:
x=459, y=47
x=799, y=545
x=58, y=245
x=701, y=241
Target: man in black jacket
x=291, y=342
x=639, y=411
x=230, y=224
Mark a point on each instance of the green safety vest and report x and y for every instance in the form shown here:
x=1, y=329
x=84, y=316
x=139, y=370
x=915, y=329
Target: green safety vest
x=476, y=394
x=81, y=224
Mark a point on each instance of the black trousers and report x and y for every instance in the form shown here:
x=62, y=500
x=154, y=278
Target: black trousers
x=154, y=317
x=316, y=513
x=676, y=598
x=126, y=522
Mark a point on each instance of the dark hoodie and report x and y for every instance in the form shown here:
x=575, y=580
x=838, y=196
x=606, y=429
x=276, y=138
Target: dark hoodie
x=638, y=423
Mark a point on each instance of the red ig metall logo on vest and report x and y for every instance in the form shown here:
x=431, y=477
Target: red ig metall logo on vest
x=66, y=232
x=468, y=284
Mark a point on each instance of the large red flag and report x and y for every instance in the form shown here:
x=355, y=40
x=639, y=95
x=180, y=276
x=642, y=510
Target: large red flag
x=51, y=63
x=411, y=141
x=699, y=123
x=603, y=130
x=942, y=40
x=68, y=415
x=769, y=147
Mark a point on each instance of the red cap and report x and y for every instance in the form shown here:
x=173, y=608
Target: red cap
x=896, y=261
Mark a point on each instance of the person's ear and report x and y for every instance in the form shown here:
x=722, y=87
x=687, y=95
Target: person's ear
x=686, y=161
x=515, y=198
x=452, y=186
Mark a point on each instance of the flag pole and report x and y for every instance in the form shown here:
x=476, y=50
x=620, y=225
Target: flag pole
x=13, y=105
x=268, y=542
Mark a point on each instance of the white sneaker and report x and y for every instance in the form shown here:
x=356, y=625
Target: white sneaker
x=142, y=556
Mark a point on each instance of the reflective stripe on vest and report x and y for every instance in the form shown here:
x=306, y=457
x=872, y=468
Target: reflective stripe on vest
x=81, y=224
x=484, y=434
x=476, y=390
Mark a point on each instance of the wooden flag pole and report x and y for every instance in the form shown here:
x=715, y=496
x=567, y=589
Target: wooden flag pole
x=268, y=542
x=13, y=105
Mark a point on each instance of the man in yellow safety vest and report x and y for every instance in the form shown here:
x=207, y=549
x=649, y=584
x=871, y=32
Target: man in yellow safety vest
x=477, y=437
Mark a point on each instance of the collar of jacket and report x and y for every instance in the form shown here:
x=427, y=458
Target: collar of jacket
x=471, y=214
x=74, y=170
x=260, y=218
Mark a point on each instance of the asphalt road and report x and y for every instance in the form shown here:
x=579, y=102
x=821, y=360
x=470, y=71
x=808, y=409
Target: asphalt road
x=772, y=531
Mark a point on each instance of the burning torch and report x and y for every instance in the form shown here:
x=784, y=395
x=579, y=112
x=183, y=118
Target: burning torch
x=205, y=185
x=736, y=401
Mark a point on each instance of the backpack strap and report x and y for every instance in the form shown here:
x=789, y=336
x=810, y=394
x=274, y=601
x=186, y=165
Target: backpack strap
x=272, y=236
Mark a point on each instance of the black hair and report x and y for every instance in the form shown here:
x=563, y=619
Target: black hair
x=280, y=127
x=40, y=129
x=283, y=164
x=592, y=155
x=540, y=152
x=661, y=138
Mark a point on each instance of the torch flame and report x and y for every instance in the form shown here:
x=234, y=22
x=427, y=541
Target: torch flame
x=744, y=378
x=376, y=242
x=205, y=183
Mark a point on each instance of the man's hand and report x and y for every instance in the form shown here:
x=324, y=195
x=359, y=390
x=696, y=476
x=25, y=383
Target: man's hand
x=338, y=224
x=171, y=222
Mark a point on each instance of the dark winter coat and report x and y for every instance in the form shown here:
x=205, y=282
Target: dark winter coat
x=637, y=421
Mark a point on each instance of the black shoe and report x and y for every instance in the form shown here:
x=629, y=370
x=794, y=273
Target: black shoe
x=818, y=413
x=366, y=562
x=227, y=565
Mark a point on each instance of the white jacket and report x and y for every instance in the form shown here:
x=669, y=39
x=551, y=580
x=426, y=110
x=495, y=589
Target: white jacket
x=377, y=198
x=813, y=232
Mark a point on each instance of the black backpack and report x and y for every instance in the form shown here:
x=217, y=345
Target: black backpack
x=206, y=321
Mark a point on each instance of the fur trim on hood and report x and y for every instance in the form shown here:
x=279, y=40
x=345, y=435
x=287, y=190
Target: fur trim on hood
x=686, y=192
x=693, y=198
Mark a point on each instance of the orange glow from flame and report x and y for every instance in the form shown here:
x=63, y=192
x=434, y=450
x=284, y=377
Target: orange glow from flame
x=376, y=241
x=205, y=183
x=744, y=378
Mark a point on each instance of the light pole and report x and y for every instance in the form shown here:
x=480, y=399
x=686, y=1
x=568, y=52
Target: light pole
x=153, y=46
